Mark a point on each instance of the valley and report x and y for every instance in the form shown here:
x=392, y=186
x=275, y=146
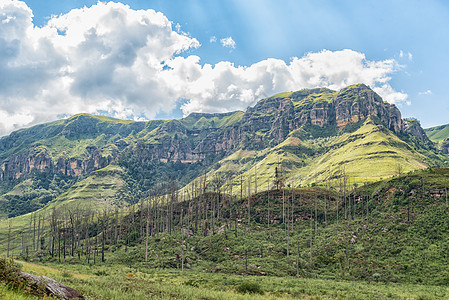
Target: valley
x=314, y=193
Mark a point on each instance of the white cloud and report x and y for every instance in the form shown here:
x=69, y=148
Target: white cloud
x=428, y=92
x=213, y=39
x=407, y=54
x=127, y=63
x=227, y=87
x=109, y=58
x=228, y=42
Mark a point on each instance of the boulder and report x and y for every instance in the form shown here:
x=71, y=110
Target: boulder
x=53, y=287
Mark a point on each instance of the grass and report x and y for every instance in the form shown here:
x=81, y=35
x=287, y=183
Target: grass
x=207, y=121
x=438, y=134
x=99, y=191
x=115, y=282
x=390, y=257
x=282, y=95
x=6, y=293
x=368, y=154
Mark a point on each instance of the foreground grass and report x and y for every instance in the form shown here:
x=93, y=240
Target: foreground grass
x=122, y=282
x=6, y=293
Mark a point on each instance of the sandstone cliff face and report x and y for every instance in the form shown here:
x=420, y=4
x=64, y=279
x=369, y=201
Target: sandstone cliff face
x=271, y=120
x=320, y=107
x=38, y=159
x=266, y=124
x=414, y=127
x=354, y=104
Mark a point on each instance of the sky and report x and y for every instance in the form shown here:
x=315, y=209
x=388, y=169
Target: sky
x=151, y=59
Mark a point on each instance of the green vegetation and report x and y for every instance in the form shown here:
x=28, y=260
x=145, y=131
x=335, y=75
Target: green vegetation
x=438, y=134
x=348, y=208
x=119, y=282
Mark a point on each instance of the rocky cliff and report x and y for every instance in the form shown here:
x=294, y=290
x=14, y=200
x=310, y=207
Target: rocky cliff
x=85, y=143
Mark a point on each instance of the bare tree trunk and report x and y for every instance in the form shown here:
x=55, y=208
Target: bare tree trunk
x=316, y=214
x=297, y=256
x=445, y=193
x=311, y=238
x=147, y=232
x=288, y=230
x=103, y=236
x=255, y=179
x=268, y=219
x=87, y=239
x=38, y=234
x=9, y=238
x=182, y=243
x=34, y=232
x=347, y=250
x=116, y=226
x=249, y=203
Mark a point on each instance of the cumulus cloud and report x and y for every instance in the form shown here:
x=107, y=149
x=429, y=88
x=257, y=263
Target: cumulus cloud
x=228, y=42
x=227, y=87
x=132, y=64
x=213, y=39
x=107, y=57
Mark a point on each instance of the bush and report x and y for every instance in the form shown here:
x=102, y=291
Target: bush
x=250, y=288
x=66, y=274
x=9, y=272
x=10, y=275
x=101, y=273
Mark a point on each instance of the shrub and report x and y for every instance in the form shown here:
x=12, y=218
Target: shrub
x=10, y=275
x=101, y=273
x=250, y=288
x=9, y=272
x=66, y=274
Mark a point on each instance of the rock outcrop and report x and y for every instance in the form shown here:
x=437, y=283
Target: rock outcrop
x=413, y=127
x=194, y=138
x=52, y=287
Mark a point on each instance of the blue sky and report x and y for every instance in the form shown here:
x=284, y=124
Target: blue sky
x=406, y=41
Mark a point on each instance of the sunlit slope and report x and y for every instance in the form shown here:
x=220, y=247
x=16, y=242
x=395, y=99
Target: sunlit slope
x=438, y=134
x=370, y=153
x=100, y=190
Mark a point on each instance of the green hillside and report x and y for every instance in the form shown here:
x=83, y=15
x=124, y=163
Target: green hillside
x=385, y=238
x=438, y=134
x=300, y=138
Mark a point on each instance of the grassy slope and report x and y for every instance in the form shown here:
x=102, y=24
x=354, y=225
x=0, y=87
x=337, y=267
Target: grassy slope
x=101, y=190
x=115, y=282
x=384, y=242
x=438, y=134
x=368, y=154
x=98, y=191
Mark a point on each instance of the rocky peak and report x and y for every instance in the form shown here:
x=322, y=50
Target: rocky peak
x=322, y=107
x=413, y=126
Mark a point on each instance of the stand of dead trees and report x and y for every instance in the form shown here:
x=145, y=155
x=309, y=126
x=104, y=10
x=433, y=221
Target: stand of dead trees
x=207, y=207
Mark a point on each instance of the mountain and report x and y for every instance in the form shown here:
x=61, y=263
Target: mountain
x=308, y=136
x=440, y=136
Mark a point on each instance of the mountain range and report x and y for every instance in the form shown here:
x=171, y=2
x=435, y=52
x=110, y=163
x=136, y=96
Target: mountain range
x=306, y=137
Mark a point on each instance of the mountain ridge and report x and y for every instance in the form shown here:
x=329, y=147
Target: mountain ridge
x=293, y=131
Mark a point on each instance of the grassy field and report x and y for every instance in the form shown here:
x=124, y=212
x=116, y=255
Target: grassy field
x=122, y=282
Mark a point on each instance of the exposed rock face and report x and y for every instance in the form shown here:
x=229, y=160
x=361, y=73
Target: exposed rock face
x=38, y=159
x=320, y=107
x=52, y=287
x=354, y=104
x=190, y=140
x=414, y=127
x=444, y=147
